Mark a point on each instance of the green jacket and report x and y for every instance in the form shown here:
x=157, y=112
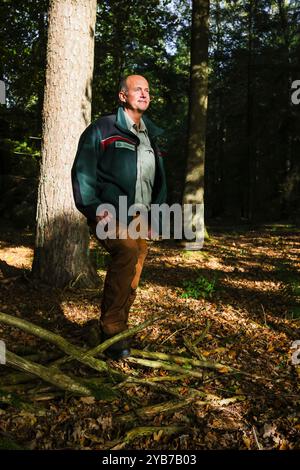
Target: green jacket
x=105, y=165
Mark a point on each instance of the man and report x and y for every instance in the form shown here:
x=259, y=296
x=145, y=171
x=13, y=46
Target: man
x=118, y=156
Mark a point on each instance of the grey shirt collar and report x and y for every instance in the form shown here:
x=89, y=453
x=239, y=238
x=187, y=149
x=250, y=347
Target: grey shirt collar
x=132, y=125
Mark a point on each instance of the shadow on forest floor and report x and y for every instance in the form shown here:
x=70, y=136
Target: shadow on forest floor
x=246, y=311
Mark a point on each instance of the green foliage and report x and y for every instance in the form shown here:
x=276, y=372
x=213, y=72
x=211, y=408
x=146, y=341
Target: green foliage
x=21, y=158
x=102, y=391
x=23, y=38
x=295, y=311
x=200, y=288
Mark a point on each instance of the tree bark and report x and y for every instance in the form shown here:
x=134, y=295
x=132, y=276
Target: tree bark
x=61, y=248
x=194, y=180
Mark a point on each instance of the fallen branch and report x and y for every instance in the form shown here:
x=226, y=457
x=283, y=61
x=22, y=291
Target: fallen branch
x=203, y=334
x=168, y=378
x=164, y=366
x=17, y=402
x=123, y=335
x=47, y=396
x=149, y=411
x=180, y=360
x=157, y=386
x=15, y=378
x=170, y=407
x=52, y=376
x=103, y=346
x=259, y=446
x=144, y=431
x=193, y=349
x=192, y=345
x=178, y=391
x=223, y=368
x=75, y=352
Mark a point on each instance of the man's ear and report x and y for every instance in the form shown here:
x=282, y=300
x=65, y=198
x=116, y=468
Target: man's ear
x=122, y=97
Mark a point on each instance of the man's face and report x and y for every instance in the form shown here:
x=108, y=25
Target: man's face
x=137, y=97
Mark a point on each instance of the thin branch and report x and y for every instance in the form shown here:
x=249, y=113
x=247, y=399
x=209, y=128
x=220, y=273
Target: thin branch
x=203, y=334
x=192, y=345
x=123, y=335
x=149, y=411
x=259, y=446
x=180, y=360
x=54, y=377
x=164, y=366
x=144, y=431
x=223, y=368
x=120, y=336
x=177, y=392
x=193, y=349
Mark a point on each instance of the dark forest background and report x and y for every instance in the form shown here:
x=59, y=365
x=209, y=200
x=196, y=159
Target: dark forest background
x=252, y=165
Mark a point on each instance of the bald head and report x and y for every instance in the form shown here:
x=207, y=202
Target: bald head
x=129, y=79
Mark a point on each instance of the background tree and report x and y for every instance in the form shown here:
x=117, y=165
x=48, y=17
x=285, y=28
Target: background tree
x=194, y=179
x=61, y=251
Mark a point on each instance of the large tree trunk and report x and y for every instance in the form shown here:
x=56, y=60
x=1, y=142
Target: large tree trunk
x=194, y=179
x=61, y=251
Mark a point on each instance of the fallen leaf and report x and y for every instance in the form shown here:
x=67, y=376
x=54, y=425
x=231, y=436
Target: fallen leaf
x=87, y=400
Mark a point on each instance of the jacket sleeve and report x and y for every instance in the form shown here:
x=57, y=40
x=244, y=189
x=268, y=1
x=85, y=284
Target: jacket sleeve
x=84, y=172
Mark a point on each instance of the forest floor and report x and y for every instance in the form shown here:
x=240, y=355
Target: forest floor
x=234, y=303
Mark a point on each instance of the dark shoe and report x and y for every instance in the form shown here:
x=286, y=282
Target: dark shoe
x=119, y=350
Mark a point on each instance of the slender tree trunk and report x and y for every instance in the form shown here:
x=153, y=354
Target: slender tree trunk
x=61, y=250
x=247, y=206
x=194, y=180
x=290, y=169
x=220, y=202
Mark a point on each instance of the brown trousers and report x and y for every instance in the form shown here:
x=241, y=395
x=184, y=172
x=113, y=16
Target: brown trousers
x=121, y=282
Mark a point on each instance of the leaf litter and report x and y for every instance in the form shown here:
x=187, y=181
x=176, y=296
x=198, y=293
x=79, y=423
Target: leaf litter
x=247, y=323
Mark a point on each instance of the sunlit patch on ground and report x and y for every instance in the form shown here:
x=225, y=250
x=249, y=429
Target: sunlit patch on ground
x=248, y=323
x=17, y=256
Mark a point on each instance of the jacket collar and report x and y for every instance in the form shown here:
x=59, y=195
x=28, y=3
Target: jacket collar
x=153, y=130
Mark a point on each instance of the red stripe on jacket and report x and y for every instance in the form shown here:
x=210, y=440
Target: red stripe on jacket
x=110, y=140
